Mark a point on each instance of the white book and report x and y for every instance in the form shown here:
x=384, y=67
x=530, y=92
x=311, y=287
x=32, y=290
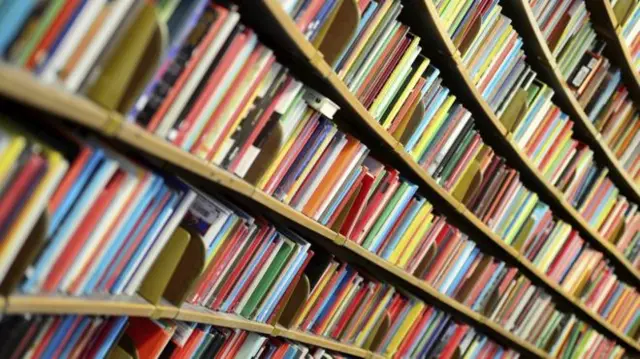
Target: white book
x=162, y=240
x=119, y=9
x=516, y=313
x=449, y=142
x=72, y=38
x=196, y=76
x=111, y=214
x=251, y=346
x=502, y=301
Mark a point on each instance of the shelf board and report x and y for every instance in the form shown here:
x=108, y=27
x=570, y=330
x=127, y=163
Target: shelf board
x=193, y=313
x=356, y=107
x=326, y=343
x=568, y=102
x=150, y=144
x=134, y=306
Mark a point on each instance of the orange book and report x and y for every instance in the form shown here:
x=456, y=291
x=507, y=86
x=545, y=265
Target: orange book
x=334, y=173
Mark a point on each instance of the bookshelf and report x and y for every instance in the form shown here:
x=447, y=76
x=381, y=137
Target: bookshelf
x=22, y=87
x=566, y=100
x=607, y=25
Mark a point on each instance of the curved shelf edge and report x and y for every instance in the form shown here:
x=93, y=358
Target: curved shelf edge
x=150, y=144
x=569, y=103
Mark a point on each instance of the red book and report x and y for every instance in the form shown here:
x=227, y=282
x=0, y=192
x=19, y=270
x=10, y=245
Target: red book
x=396, y=225
x=396, y=41
x=379, y=198
x=75, y=285
x=442, y=251
x=254, y=271
x=222, y=261
x=40, y=53
x=227, y=60
x=321, y=298
x=149, y=338
x=562, y=253
x=555, y=146
x=516, y=300
x=65, y=340
x=349, y=312
x=408, y=104
x=433, y=152
x=375, y=87
x=312, y=10
x=236, y=344
x=40, y=347
x=191, y=65
x=82, y=233
x=294, y=283
x=482, y=281
x=413, y=333
x=124, y=258
x=358, y=205
x=534, y=141
x=70, y=178
x=190, y=346
x=347, y=198
x=339, y=298
x=425, y=243
x=240, y=267
x=25, y=180
x=462, y=163
x=454, y=341
x=500, y=196
x=258, y=127
x=511, y=273
x=496, y=65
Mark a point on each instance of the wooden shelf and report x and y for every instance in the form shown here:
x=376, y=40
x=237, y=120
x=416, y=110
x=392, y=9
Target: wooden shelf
x=346, y=98
x=535, y=41
x=112, y=125
x=56, y=304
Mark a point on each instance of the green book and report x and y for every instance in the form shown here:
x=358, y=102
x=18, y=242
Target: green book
x=208, y=338
x=573, y=340
x=453, y=161
x=270, y=275
x=385, y=214
x=43, y=25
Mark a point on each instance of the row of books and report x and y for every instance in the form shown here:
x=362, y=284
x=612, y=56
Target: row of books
x=109, y=216
x=596, y=84
x=544, y=134
x=630, y=32
x=65, y=42
x=313, y=18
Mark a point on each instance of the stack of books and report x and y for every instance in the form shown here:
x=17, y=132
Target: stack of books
x=630, y=32
x=69, y=336
x=596, y=84
x=490, y=48
x=251, y=267
x=65, y=42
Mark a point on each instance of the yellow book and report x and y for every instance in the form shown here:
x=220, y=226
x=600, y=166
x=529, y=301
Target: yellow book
x=373, y=319
x=618, y=305
x=364, y=39
x=554, y=248
x=284, y=151
x=493, y=54
x=393, y=81
x=594, y=189
x=445, y=11
x=36, y=204
x=415, y=241
x=472, y=349
x=407, y=323
x=486, y=25
x=549, y=141
x=454, y=13
x=408, y=234
x=330, y=272
x=333, y=315
x=433, y=127
x=312, y=162
x=400, y=102
x=605, y=210
x=551, y=164
x=10, y=155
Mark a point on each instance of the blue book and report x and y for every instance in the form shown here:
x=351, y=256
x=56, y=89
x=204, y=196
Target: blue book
x=496, y=99
x=518, y=196
x=487, y=48
x=343, y=279
x=326, y=216
x=303, y=158
x=317, y=23
x=75, y=337
x=393, y=217
x=231, y=220
x=13, y=14
x=446, y=124
x=59, y=335
x=534, y=109
x=513, y=229
x=431, y=78
x=116, y=326
x=455, y=272
x=266, y=309
x=600, y=206
x=571, y=264
x=500, y=74
x=584, y=187
x=398, y=322
x=557, y=121
x=87, y=171
x=435, y=336
x=612, y=301
x=226, y=306
x=184, y=18
x=604, y=96
x=146, y=244
x=367, y=15
x=430, y=111
x=393, y=241
x=59, y=240
x=425, y=333
x=113, y=247
x=463, y=271
x=128, y=243
x=488, y=289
